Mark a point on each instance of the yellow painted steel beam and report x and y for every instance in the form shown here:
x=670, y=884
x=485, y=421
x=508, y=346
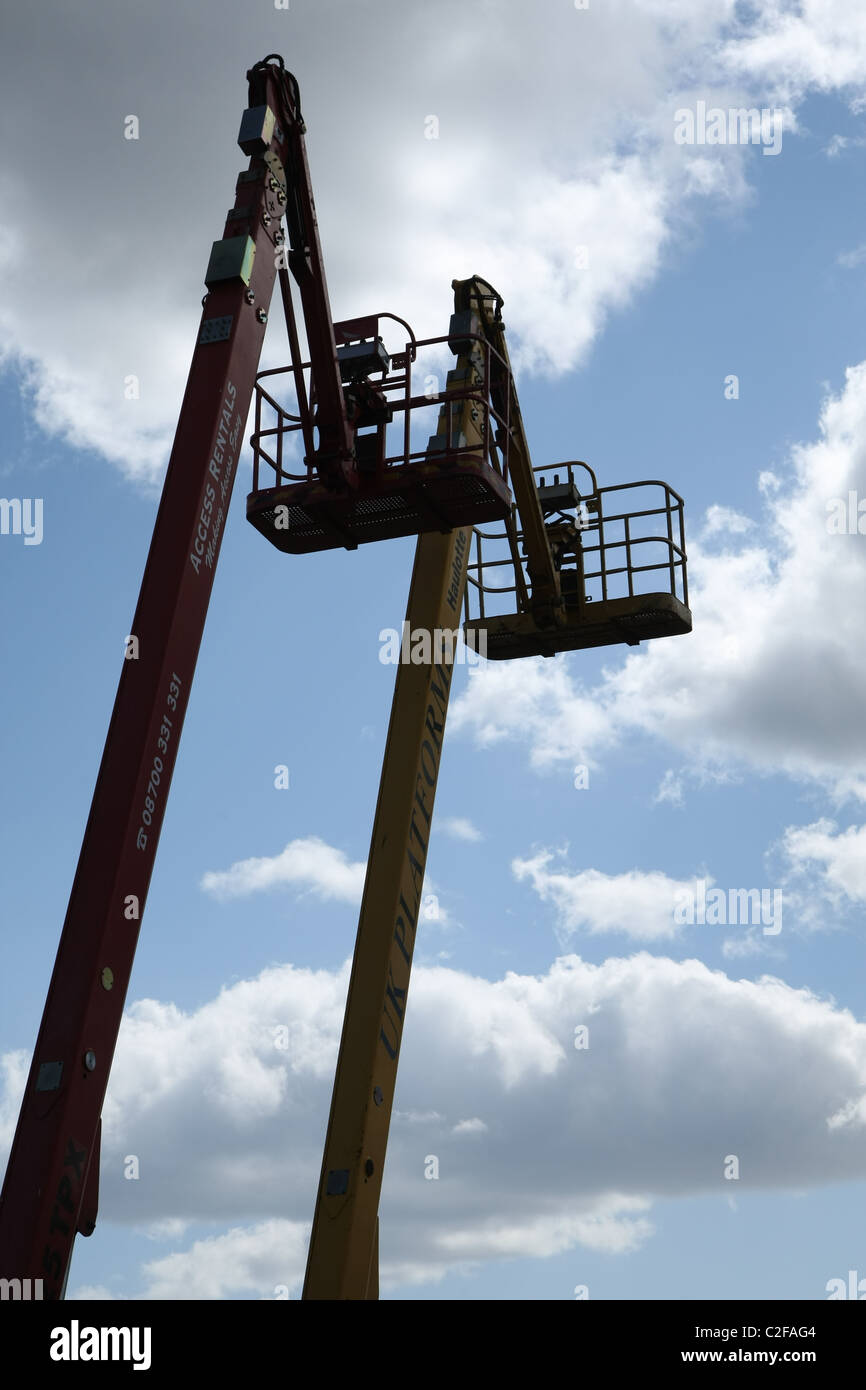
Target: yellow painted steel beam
x=373, y=1277
x=343, y=1260
x=344, y=1226
x=545, y=599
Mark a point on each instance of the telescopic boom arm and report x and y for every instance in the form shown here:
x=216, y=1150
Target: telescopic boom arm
x=50, y=1190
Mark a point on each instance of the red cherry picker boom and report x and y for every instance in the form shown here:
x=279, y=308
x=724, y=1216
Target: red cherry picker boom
x=347, y=419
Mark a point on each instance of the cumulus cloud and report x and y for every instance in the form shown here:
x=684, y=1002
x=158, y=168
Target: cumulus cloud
x=307, y=863
x=311, y=865
x=474, y=1126
x=262, y=1260
x=721, y=520
x=640, y=905
x=683, y=1066
x=459, y=828
x=819, y=45
x=571, y=167
x=537, y=702
x=773, y=674
x=837, y=857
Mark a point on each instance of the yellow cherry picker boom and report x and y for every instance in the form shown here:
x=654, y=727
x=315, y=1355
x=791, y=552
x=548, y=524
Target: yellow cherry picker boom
x=337, y=462
x=584, y=572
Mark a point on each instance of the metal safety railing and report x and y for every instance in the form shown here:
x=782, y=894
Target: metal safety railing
x=610, y=556
x=276, y=425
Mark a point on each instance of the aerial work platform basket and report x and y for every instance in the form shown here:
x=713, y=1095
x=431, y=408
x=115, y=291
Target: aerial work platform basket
x=403, y=486
x=620, y=556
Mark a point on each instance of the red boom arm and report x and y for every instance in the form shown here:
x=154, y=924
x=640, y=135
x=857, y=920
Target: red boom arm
x=51, y=1183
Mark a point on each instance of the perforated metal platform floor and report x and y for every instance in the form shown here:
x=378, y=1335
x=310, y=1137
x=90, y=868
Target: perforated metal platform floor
x=407, y=500
x=623, y=620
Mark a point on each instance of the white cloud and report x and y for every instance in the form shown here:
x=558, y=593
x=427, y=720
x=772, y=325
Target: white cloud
x=722, y=520
x=840, y=857
x=683, y=1063
x=311, y=865
x=539, y=702
x=474, y=1126
x=670, y=790
x=264, y=1261
x=851, y=259
x=459, y=828
x=14, y=1067
x=570, y=165
x=748, y=943
x=170, y=1229
x=612, y=1228
x=414, y=1117
x=838, y=143
x=821, y=46
x=304, y=864
x=640, y=905
x=772, y=674
x=852, y=1113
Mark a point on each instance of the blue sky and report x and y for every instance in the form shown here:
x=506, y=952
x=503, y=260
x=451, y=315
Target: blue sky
x=735, y=755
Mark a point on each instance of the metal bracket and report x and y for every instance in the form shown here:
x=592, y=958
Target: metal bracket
x=231, y=259
x=49, y=1076
x=216, y=330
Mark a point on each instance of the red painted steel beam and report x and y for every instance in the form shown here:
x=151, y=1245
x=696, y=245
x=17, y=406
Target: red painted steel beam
x=334, y=455
x=50, y=1187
